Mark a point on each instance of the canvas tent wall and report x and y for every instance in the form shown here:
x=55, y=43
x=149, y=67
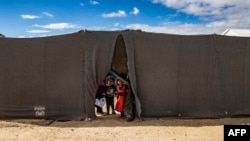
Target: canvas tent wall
x=170, y=75
x=53, y=77
x=41, y=75
x=192, y=76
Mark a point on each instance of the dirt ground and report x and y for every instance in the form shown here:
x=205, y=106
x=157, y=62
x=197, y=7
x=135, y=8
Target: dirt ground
x=114, y=128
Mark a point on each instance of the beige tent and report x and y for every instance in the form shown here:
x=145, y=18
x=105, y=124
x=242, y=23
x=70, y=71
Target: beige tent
x=237, y=32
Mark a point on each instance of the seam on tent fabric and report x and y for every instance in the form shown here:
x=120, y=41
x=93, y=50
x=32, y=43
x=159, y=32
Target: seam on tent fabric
x=84, y=78
x=178, y=74
x=81, y=35
x=217, y=49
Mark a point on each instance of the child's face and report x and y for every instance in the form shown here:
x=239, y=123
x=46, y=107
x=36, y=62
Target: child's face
x=119, y=83
x=110, y=82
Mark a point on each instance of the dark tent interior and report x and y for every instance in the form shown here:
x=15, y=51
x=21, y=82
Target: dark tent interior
x=198, y=76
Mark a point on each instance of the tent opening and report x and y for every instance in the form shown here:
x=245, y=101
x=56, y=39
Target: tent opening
x=119, y=70
x=119, y=62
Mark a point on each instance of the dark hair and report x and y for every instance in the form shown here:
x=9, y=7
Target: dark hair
x=110, y=78
x=118, y=79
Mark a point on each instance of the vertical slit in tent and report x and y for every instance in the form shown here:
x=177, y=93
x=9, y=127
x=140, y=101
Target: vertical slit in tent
x=119, y=61
x=119, y=69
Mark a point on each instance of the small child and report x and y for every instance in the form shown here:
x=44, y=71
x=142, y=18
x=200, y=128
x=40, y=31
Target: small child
x=122, y=93
x=99, y=95
x=110, y=91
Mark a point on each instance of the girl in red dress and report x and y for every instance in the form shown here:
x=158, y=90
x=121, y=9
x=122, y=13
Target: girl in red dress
x=122, y=93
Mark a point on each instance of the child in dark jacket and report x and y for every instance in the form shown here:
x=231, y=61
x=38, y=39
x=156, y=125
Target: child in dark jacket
x=110, y=91
x=99, y=95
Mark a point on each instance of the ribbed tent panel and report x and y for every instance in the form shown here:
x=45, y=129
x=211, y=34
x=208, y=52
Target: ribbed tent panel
x=202, y=76
x=42, y=77
x=234, y=74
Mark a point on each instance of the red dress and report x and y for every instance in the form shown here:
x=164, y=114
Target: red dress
x=122, y=93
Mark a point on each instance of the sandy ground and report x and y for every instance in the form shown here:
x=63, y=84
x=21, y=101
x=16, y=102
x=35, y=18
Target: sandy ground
x=114, y=128
x=109, y=128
